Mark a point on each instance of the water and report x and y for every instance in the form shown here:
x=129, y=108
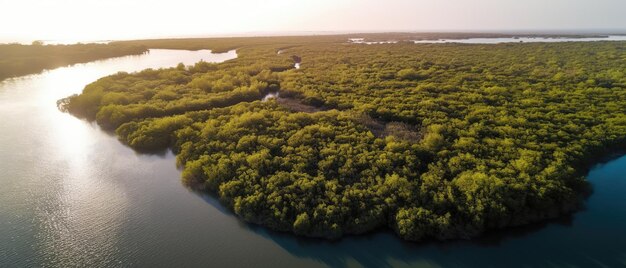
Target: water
x=522, y=40
x=497, y=40
x=296, y=65
x=362, y=41
x=271, y=95
x=73, y=196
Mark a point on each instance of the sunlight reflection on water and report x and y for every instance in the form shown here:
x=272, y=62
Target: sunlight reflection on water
x=60, y=204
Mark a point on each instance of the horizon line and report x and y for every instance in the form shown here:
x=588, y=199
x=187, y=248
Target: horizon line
x=572, y=31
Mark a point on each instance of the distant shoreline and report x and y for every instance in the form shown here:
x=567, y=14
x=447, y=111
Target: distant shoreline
x=441, y=34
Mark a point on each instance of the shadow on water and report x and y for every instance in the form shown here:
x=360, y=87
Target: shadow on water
x=161, y=153
x=590, y=237
x=382, y=247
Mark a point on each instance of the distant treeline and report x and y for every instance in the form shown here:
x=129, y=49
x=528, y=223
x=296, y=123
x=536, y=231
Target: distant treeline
x=224, y=44
x=17, y=59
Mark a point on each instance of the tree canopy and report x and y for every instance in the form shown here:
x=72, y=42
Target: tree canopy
x=17, y=60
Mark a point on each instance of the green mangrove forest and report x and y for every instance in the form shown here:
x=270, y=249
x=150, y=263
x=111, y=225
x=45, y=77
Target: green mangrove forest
x=18, y=60
x=435, y=141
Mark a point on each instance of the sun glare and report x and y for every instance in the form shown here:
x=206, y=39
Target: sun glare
x=89, y=20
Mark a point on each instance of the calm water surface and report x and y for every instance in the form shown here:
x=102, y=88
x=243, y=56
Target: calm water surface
x=522, y=40
x=73, y=196
x=498, y=40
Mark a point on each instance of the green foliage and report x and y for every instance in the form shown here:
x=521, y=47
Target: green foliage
x=457, y=139
x=17, y=60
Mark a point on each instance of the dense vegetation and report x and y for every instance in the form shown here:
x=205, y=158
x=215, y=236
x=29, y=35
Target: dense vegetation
x=440, y=141
x=17, y=60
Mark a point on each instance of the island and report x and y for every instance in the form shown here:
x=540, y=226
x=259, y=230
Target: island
x=432, y=141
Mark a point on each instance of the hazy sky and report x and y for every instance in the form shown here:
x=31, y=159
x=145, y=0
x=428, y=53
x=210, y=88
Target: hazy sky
x=123, y=19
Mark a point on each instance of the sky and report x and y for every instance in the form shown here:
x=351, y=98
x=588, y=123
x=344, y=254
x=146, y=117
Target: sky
x=134, y=19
